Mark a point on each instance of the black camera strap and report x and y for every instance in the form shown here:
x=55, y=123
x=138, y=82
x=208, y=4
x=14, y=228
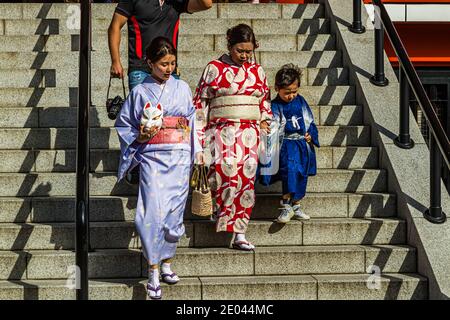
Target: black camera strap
x=109, y=86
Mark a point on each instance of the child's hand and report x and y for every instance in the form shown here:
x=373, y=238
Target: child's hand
x=264, y=125
x=308, y=137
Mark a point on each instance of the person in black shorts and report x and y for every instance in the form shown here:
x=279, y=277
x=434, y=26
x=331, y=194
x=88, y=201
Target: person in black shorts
x=146, y=19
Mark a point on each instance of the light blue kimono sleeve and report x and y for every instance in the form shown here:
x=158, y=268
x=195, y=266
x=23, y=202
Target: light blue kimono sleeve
x=310, y=124
x=127, y=126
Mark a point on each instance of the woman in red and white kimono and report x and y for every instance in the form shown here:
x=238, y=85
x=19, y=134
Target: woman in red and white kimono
x=232, y=102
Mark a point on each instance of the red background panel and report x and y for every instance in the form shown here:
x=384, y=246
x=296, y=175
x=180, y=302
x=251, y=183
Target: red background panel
x=427, y=44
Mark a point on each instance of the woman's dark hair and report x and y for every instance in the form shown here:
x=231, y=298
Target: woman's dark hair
x=287, y=76
x=159, y=48
x=241, y=33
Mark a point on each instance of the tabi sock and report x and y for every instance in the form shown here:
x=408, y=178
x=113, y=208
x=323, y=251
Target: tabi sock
x=239, y=237
x=165, y=268
x=153, y=277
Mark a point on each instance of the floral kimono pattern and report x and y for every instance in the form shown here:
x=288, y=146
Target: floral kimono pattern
x=241, y=96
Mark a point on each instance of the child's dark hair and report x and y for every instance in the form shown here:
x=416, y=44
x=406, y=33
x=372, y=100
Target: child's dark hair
x=159, y=48
x=287, y=76
x=241, y=33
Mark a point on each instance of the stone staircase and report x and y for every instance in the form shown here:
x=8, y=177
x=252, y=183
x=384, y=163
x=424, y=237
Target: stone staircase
x=354, y=224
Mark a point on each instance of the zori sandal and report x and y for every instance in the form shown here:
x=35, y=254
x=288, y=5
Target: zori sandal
x=154, y=293
x=170, y=278
x=243, y=245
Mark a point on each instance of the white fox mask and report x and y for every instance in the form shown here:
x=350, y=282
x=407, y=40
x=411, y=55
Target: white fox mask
x=152, y=116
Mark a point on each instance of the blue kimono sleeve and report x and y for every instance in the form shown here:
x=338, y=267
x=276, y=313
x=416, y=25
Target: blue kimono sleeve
x=127, y=126
x=314, y=133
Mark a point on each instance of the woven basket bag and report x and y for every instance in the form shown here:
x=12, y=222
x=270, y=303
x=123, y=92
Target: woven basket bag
x=201, y=204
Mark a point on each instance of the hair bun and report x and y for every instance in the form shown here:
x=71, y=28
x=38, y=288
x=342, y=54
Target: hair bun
x=229, y=31
x=240, y=33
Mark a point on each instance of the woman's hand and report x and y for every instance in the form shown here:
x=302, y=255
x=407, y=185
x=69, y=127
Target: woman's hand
x=200, y=158
x=264, y=125
x=116, y=70
x=145, y=134
x=308, y=137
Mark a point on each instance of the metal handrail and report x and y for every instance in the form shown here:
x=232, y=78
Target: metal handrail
x=82, y=171
x=439, y=142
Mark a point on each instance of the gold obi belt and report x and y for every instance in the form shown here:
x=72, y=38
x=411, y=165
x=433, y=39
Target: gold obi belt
x=173, y=130
x=238, y=107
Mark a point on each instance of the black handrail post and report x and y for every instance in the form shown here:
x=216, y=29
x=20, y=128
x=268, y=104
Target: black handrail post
x=434, y=213
x=378, y=78
x=403, y=139
x=357, y=26
x=82, y=196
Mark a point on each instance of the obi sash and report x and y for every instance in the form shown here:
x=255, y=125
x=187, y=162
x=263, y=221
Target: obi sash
x=294, y=136
x=173, y=130
x=237, y=107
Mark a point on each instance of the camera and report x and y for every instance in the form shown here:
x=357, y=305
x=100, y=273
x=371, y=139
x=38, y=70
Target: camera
x=114, y=105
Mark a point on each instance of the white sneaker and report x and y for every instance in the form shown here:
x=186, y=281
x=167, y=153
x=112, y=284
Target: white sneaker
x=286, y=213
x=299, y=214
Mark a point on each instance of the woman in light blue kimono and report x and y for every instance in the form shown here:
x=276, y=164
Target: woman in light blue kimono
x=156, y=132
x=297, y=157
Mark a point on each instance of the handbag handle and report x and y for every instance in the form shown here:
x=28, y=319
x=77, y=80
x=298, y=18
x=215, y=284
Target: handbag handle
x=194, y=178
x=109, y=86
x=202, y=182
x=204, y=185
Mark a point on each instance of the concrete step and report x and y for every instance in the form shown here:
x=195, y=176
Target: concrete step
x=103, y=160
x=104, y=289
x=270, y=11
x=42, y=78
x=192, y=26
x=358, y=180
x=327, y=231
x=304, y=59
x=318, y=205
x=193, y=262
x=64, y=117
x=62, y=97
x=69, y=42
x=392, y=286
x=101, y=60
x=197, y=43
x=309, y=77
x=202, y=234
x=101, y=184
x=219, y=10
x=278, y=43
x=106, y=138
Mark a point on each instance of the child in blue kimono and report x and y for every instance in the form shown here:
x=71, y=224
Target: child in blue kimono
x=297, y=158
